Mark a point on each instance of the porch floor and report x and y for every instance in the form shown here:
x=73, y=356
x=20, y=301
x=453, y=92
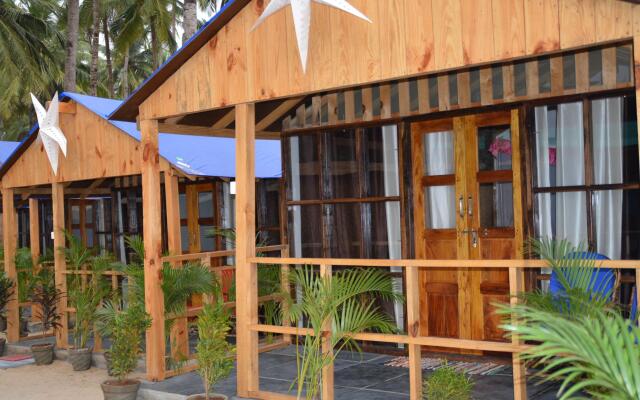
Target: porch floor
x=357, y=377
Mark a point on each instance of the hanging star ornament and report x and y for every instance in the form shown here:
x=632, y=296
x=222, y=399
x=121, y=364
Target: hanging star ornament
x=301, y=10
x=50, y=133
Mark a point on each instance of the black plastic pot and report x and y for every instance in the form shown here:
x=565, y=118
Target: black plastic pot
x=42, y=353
x=80, y=359
x=116, y=390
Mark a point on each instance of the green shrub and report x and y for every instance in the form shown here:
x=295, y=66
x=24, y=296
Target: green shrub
x=6, y=291
x=447, y=384
x=213, y=352
x=125, y=328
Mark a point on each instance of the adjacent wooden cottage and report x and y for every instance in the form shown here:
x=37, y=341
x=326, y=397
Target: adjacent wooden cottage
x=432, y=140
x=96, y=194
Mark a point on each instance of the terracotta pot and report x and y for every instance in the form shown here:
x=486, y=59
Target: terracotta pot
x=212, y=396
x=42, y=353
x=80, y=359
x=116, y=390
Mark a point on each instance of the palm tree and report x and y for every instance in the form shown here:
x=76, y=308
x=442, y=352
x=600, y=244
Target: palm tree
x=347, y=299
x=73, y=21
x=190, y=19
x=95, y=45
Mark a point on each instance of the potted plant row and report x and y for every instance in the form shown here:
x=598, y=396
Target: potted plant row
x=46, y=296
x=6, y=292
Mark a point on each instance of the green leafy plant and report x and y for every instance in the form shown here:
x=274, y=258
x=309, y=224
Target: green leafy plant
x=125, y=327
x=87, y=299
x=347, y=300
x=574, y=268
x=77, y=256
x=6, y=292
x=213, y=352
x=446, y=383
x=597, y=354
x=45, y=294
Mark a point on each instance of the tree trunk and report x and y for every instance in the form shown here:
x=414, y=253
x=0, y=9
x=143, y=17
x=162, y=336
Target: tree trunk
x=95, y=45
x=107, y=51
x=190, y=20
x=155, y=46
x=73, y=19
x=124, y=83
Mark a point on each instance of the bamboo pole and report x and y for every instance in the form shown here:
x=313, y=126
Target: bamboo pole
x=152, y=233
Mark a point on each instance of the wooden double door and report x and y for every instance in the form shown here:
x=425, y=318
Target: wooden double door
x=467, y=205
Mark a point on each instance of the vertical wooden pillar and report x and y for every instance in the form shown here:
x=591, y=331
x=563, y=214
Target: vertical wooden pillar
x=34, y=230
x=516, y=286
x=152, y=234
x=246, y=274
x=34, y=244
x=60, y=263
x=179, y=331
x=10, y=239
x=413, y=328
x=327, y=371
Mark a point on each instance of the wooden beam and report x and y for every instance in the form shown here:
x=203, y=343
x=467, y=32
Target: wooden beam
x=9, y=239
x=277, y=113
x=92, y=187
x=25, y=192
x=34, y=230
x=179, y=337
x=227, y=119
x=246, y=273
x=205, y=131
x=152, y=233
x=413, y=327
x=60, y=263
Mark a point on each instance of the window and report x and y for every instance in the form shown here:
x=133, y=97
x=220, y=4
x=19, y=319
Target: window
x=586, y=181
x=343, y=193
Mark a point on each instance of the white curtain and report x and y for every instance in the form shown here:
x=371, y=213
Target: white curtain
x=564, y=128
x=607, y=166
x=294, y=162
x=439, y=158
x=392, y=208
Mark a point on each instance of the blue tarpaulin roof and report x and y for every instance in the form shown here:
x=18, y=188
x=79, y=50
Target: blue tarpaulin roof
x=6, y=149
x=195, y=155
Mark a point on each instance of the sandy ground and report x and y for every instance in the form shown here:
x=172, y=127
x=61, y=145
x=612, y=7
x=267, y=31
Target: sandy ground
x=53, y=382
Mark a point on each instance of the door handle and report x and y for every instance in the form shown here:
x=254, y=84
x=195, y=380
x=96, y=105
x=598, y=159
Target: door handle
x=461, y=206
x=470, y=206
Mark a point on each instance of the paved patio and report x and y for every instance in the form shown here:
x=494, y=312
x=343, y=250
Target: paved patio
x=357, y=377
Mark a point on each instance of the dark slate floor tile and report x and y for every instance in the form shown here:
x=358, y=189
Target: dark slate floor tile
x=398, y=384
x=362, y=375
x=356, y=394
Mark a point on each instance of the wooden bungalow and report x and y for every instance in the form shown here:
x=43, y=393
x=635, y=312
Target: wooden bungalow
x=96, y=195
x=433, y=140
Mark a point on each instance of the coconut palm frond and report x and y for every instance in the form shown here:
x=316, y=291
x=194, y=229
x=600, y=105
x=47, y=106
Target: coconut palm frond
x=596, y=354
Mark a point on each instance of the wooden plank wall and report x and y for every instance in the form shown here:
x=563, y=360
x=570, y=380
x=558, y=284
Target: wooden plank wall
x=407, y=38
x=95, y=149
x=418, y=91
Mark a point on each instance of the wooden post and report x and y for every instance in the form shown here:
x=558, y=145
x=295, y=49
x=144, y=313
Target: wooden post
x=179, y=332
x=246, y=274
x=516, y=286
x=413, y=328
x=327, y=348
x=34, y=244
x=152, y=234
x=10, y=239
x=60, y=263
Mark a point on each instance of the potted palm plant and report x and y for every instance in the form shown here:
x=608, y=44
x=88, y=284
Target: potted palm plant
x=213, y=352
x=125, y=327
x=26, y=281
x=86, y=299
x=6, y=291
x=45, y=294
x=347, y=300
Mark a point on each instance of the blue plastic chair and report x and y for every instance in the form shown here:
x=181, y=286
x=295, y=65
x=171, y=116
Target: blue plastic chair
x=603, y=279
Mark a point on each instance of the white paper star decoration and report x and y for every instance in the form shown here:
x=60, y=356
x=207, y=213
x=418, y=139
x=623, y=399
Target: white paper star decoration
x=301, y=10
x=50, y=133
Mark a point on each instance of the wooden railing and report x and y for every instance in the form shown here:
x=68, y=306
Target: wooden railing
x=179, y=338
x=412, y=339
